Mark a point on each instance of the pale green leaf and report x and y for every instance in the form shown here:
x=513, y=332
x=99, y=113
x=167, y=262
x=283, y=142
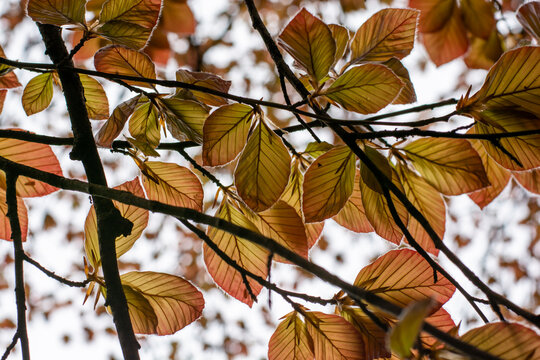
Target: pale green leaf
x=404, y=334
x=144, y=124
x=37, y=94
x=97, y=103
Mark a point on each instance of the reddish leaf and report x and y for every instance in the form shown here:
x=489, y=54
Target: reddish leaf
x=121, y=60
x=353, y=214
x=530, y=180
x=173, y=184
x=245, y=253
x=528, y=15
x=5, y=225
x=178, y=18
x=206, y=80
x=290, y=340
x=478, y=17
x=310, y=43
x=442, y=320
x=404, y=276
x=114, y=125
x=434, y=14
x=38, y=156
x=3, y=94
x=483, y=53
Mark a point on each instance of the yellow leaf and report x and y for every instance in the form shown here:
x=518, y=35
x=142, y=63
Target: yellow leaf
x=144, y=124
x=142, y=315
x=429, y=202
x=5, y=223
x=522, y=148
x=378, y=212
x=207, y=80
x=245, y=253
x=97, y=103
x=283, y=224
x=404, y=334
x=365, y=89
x=334, y=337
x=263, y=169
x=177, y=185
x=184, y=118
x=291, y=340
x=497, y=175
x=402, y=277
x=310, y=43
x=138, y=216
x=116, y=59
x=341, y=36
x=316, y=149
x=225, y=133
x=115, y=123
x=37, y=94
x=353, y=215
x=508, y=341
x=57, y=12
x=449, y=165
x=175, y=302
x=141, y=12
x=387, y=34
x=328, y=184
x=133, y=36
x=381, y=163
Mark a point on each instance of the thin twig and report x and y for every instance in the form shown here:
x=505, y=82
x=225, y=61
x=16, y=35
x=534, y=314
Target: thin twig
x=52, y=275
x=11, y=345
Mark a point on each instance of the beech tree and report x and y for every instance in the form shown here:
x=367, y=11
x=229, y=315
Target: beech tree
x=269, y=194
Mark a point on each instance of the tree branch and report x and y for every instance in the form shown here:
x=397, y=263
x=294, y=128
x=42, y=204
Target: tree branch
x=52, y=275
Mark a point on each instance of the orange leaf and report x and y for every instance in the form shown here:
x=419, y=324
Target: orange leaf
x=177, y=185
x=530, y=180
x=38, y=156
x=116, y=59
x=291, y=340
x=429, y=202
x=97, y=103
x=225, y=133
x=310, y=43
x=433, y=13
x=353, y=214
x=207, y=80
x=57, y=12
x=5, y=225
x=449, y=165
x=263, y=169
x=497, y=175
x=283, y=224
x=365, y=89
x=478, y=17
x=8, y=79
x=245, y=253
x=178, y=18
x=334, y=337
x=3, y=94
x=483, y=53
x=387, y=34
x=508, y=341
x=528, y=16
x=175, y=303
x=328, y=184
x=138, y=216
x=37, y=94
x=404, y=276
x=442, y=320
x=114, y=125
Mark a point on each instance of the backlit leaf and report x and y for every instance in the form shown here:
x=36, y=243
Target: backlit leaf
x=142, y=315
x=5, y=224
x=478, y=17
x=144, y=124
x=530, y=180
x=122, y=33
x=508, y=341
x=389, y=33
x=341, y=36
x=484, y=52
x=449, y=165
x=310, y=43
x=225, y=133
x=290, y=340
x=378, y=212
x=114, y=125
x=184, y=118
x=8, y=79
x=365, y=89
x=178, y=18
x=507, y=85
x=207, y=80
x=116, y=59
x=138, y=216
x=353, y=214
x=429, y=202
x=528, y=16
x=263, y=169
x=176, y=302
x=522, y=148
x=498, y=177
x=442, y=320
x=97, y=103
x=433, y=13
x=37, y=94
x=57, y=12
x=177, y=185
x=404, y=334
x=334, y=337
x=381, y=163
x=141, y=12
x=245, y=253
x=283, y=224
x=328, y=184
x=3, y=94
x=407, y=95
x=374, y=338
x=402, y=277
x=38, y=156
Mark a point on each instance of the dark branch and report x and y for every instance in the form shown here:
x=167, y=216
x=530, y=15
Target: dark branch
x=52, y=275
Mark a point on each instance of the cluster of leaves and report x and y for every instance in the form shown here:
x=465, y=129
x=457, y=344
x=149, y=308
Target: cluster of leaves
x=287, y=195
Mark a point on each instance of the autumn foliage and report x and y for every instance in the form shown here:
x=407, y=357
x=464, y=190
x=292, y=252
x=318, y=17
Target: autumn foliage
x=372, y=178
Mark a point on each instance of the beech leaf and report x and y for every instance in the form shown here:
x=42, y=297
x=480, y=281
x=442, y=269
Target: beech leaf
x=57, y=12
x=207, y=80
x=115, y=123
x=353, y=215
x=37, y=94
x=530, y=180
x=290, y=340
x=117, y=59
x=144, y=125
x=5, y=223
x=184, y=118
x=528, y=16
x=97, y=103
